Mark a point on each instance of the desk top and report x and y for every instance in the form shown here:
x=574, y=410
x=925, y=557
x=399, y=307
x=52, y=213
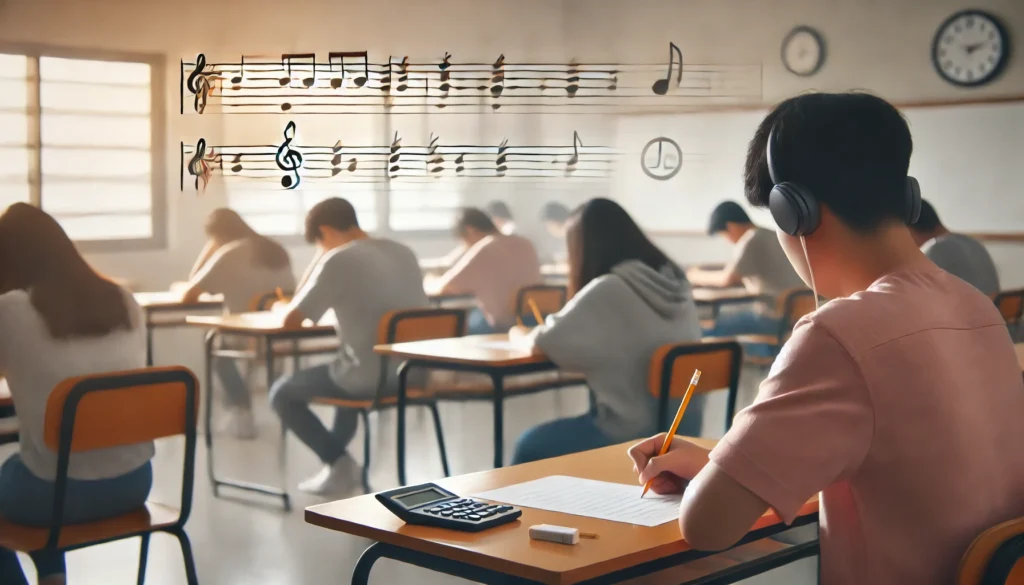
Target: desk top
x=263, y=322
x=508, y=548
x=714, y=295
x=171, y=300
x=473, y=349
x=1020, y=355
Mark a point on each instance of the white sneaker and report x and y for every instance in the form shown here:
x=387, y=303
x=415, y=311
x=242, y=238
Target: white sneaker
x=239, y=423
x=336, y=478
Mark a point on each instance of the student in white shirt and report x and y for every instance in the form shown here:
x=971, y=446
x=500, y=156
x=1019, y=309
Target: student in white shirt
x=361, y=279
x=242, y=265
x=60, y=319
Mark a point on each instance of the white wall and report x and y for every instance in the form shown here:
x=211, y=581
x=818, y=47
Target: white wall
x=881, y=45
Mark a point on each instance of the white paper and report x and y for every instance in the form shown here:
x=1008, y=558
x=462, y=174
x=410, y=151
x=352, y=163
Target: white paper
x=504, y=344
x=586, y=497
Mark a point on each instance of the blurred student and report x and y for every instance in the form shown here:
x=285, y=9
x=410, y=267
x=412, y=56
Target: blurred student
x=895, y=401
x=758, y=263
x=555, y=217
x=501, y=215
x=361, y=279
x=242, y=265
x=958, y=254
x=628, y=299
x=493, y=269
x=60, y=319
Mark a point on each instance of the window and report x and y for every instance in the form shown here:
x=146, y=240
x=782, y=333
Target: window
x=272, y=211
x=79, y=136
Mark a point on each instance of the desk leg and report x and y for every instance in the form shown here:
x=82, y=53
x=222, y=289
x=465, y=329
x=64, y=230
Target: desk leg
x=283, y=453
x=403, y=376
x=379, y=550
x=499, y=419
x=149, y=342
x=211, y=337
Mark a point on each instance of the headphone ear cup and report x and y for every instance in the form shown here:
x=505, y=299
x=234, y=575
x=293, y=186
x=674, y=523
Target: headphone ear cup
x=794, y=209
x=913, y=209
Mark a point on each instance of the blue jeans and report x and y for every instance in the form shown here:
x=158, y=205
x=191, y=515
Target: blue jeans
x=749, y=323
x=27, y=499
x=290, y=397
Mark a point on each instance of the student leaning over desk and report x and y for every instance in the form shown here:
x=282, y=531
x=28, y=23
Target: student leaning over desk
x=899, y=400
x=628, y=299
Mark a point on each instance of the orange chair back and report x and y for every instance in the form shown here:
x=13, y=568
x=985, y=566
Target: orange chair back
x=407, y=325
x=111, y=411
x=672, y=368
x=1011, y=305
x=264, y=301
x=995, y=557
x=549, y=298
x=794, y=304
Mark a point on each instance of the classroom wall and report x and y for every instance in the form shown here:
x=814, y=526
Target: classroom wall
x=881, y=45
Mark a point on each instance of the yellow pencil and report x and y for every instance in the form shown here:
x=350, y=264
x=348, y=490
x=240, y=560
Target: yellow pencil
x=536, y=311
x=675, y=424
x=280, y=295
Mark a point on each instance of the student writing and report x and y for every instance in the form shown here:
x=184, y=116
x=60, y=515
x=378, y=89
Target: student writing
x=60, y=319
x=896, y=400
x=628, y=299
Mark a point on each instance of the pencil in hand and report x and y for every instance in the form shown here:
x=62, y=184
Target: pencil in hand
x=536, y=311
x=675, y=423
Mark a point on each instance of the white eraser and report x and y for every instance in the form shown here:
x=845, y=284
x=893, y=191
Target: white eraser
x=559, y=534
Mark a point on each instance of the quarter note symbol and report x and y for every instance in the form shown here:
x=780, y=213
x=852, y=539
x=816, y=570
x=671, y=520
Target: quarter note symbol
x=403, y=74
x=359, y=80
x=237, y=80
x=497, y=79
x=396, y=156
x=573, y=79
x=446, y=76
x=460, y=163
x=236, y=163
x=660, y=87
x=435, y=159
x=288, y=159
x=570, y=165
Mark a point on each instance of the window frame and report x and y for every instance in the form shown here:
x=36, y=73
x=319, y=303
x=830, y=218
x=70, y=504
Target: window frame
x=158, y=129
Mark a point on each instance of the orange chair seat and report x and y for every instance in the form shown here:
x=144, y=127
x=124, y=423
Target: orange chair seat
x=27, y=538
x=413, y=395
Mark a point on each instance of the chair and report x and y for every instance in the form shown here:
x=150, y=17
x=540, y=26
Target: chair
x=549, y=298
x=794, y=304
x=399, y=327
x=996, y=557
x=110, y=410
x=1011, y=306
x=672, y=366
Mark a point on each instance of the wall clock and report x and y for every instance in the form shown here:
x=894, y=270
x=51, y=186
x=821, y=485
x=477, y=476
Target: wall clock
x=971, y=48
x=803, y=51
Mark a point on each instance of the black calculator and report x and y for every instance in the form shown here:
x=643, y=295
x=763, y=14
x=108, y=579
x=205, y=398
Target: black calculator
x=431, y=505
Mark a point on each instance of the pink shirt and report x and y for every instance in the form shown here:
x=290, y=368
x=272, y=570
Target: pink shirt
x=904, y=406
x=493, y=270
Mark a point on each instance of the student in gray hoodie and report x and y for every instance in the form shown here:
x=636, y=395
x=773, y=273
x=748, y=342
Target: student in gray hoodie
x=628, y=299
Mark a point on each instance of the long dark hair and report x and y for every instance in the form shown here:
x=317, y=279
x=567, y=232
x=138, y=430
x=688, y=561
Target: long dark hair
x=600, y=235
x=38, y=257
x=226, y=226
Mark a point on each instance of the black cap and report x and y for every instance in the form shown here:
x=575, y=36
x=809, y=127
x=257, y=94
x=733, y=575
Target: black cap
x=725, y=212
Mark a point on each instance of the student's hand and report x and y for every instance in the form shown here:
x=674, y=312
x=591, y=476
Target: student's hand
x=279, y=306
x=519, y=332
x=671, y=471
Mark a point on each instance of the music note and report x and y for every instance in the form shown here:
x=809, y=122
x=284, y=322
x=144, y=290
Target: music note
x=573, y=79
x=286, y=61
x=403, y=74
x=497, y=80
x=199, y=84
x=358, y=81
x=236, y=163
x=660, y=87
x=197, y=166
x=460, y=162
x=435, y=159
x=396, y=156
x=289, y=160
x=237, y=80
x=385, y=82
x=570, y=165
x=500, y=162
x=445, y=78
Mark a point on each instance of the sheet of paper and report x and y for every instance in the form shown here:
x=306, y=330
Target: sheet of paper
x=586, y=497
x=500, y=344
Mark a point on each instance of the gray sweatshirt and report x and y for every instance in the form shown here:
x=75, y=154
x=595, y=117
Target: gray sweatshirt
x=610, y=330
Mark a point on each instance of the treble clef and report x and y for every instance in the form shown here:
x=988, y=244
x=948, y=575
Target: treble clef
x=288, y=160
x=199, y=84
x=197, y=167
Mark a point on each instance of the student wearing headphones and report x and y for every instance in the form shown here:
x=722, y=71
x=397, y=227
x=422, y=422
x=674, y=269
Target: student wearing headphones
x=896, y=400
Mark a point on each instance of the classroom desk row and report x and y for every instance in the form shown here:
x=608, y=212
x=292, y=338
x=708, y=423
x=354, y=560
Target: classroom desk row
x=506, y=554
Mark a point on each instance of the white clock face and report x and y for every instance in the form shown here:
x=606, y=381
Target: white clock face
x=802, y=52
x=970, y=49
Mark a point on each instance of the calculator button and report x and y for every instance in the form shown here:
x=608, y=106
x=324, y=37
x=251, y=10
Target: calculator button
x=493, y=508
x=446, y=512
x=459, y=515
x=473, y=517
x=503, y=509
x=434, y=510
x=485, y=514
x=479, y=505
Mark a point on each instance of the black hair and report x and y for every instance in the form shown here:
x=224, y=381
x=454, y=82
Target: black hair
x=474, y=218
x=601, y=235
x=724, y=213
x=499, y=209
x=851, y=150
x=928, y=221
x=226, y=226
x=554, y=212
x=335, y=212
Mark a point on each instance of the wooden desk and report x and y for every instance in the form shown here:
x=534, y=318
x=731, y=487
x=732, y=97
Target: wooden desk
x=462, y=354
x=716, y=297
x=557, y=273
x=269, y=327
x=164, y=302
x=507, y=555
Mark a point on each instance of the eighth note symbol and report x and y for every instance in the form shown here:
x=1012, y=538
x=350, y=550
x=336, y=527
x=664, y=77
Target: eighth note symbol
x=660, y=87
x=288, y=160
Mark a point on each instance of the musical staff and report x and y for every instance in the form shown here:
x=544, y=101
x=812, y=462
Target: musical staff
x=348, y=82
x=396, y=161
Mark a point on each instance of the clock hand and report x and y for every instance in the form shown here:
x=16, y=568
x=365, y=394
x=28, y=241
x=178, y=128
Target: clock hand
x=972, y=48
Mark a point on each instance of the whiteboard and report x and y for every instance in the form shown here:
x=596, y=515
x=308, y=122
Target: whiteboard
x=969, y=160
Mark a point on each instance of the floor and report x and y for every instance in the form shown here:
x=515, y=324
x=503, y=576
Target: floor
x=250, y=540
